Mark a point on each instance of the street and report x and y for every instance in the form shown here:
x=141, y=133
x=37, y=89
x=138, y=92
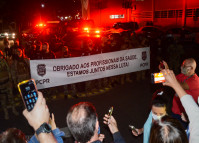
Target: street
x=131, y=103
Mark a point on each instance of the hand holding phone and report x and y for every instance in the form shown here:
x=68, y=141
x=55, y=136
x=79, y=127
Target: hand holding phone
x=40, y=113
x=111, y=122
x=135, y=132
x=29, y=93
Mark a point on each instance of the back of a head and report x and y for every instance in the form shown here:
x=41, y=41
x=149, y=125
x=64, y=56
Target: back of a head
x=159, y=99
x=12, y=135
x=81, y=120
x=45, y=43
x=167, y=130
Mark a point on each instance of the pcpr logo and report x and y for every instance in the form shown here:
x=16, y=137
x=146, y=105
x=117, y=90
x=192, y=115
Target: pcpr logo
x=41, y=69
x=144, y=55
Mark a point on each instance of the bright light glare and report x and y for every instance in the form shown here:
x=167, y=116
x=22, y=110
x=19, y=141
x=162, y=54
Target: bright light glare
x=97, y=31
x=24, y=34
x=41, y=24
x=42, y=5
x=86, y=28
x=62, y=18
x=98, y=36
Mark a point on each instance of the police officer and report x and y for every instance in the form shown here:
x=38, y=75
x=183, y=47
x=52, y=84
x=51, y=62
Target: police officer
x=72, y=88
x=6, y=89
x=46, y=52
x=20, y=67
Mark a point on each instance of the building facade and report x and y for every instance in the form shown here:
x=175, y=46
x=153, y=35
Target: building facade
x=163, y=13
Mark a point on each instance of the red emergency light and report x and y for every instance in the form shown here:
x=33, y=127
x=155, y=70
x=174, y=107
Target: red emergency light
x=97, y=36
x=24, y=35
x=40, y=25
x=86, y=29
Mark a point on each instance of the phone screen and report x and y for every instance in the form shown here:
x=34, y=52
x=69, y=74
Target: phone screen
x=157, y=78
x=29, y=93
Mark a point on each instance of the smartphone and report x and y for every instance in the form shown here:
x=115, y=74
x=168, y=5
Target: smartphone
x=157, y=78
x=133, y=128
x=29, y=93
x=110, y=111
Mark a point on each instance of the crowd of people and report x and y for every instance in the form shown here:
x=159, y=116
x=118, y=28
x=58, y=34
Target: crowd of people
x=15, y=62
x=83, y=123
x=82, y=120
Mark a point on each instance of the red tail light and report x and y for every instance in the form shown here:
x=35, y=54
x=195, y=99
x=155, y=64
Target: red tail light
x=98, y=36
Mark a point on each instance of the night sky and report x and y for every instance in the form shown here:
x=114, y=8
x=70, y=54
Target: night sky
x=29, y=9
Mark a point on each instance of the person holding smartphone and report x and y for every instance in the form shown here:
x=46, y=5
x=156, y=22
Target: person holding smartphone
x=112, y=124
x=82, y=121
x=158, y=110
x=189, y=81
x=56, y=132
x=189, y=105
x=38, y=118
x=35, y=105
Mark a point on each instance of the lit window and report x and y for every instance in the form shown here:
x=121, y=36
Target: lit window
x=116, y=16
x=111, y=16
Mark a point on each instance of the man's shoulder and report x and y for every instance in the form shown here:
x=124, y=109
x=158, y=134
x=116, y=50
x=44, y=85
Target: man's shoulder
x=193, y=83
x=196, y=77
